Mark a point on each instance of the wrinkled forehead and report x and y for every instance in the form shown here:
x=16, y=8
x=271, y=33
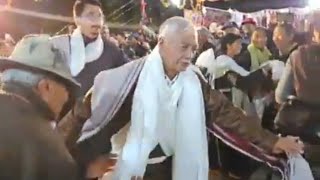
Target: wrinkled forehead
x=187, y=36
x=91, y=9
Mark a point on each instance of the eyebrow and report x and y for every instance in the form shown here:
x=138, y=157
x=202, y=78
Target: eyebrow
x=188, y=43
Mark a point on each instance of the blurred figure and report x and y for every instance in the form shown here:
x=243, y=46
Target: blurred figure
x=231, y=27
x=284, y=38
x=248, y=26
x=257, y=52
x=121, y=38
x=6, y=45
x=205, y=43
x=299, y=87
x=205, y=39
x=105, y=31
x=106, y=35
x=71, y=28
x=139, y=49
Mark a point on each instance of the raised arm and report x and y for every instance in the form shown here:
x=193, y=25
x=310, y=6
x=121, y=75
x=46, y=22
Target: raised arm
x=221, y=112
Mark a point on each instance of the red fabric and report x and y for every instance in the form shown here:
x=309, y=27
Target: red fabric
x=249, y=149
x=143, y=9
x=248, y=21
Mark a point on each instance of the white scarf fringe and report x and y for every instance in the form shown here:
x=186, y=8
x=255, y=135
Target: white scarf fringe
x=81, y=54
x=170, y=115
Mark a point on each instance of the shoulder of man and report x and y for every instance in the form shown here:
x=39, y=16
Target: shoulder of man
x=198, y=72
x=122, y=71
x=110, y=44
x=62, y=37
x=61, y=42
x=304, y=54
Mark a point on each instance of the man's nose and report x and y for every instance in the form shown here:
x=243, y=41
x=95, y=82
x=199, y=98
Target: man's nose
x=190, y=54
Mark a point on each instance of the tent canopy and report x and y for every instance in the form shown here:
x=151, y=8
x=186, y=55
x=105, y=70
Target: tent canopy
x=254, y=5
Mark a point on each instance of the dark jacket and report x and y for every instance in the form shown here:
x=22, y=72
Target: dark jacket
x=29, y=147
x=111, y=57
x=300, y=79
x=284, y=57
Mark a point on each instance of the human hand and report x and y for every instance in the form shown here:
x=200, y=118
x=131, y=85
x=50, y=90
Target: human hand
x=136, y=178
x=82, y=108
x=288, y=145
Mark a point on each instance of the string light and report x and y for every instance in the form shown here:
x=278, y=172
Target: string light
x=176, y=2
x=314, y=4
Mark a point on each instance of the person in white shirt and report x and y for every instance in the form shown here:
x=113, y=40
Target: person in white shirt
x=230, y=47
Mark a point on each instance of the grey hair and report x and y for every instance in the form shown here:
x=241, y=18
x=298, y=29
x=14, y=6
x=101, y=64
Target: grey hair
x=24, y=77
x=174, y=25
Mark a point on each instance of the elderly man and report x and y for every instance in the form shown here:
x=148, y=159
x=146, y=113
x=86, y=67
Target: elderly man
x=169, y=106
x=35, y=85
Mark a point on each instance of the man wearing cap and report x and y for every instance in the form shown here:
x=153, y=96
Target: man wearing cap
x=231, y=27
x=36, y=84
x=248, y=25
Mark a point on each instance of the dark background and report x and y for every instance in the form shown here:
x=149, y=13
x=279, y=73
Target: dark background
x=19, y=25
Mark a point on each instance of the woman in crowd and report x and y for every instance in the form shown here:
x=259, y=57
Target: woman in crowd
x=230, y=47
x=257, y=52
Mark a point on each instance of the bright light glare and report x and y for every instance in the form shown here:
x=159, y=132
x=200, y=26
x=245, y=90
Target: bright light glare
x=176, y=2
x=314, y=4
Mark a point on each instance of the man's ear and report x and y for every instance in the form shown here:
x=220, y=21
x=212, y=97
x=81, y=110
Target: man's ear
x=77, y=20
x=160, y=40
x=43, y=87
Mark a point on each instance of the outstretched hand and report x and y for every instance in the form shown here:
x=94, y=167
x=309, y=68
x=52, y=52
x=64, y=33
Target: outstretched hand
x=136, y=178
x=82, y=108
x=289, y=145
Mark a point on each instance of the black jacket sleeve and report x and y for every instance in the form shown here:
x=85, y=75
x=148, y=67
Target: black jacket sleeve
x=244, y=60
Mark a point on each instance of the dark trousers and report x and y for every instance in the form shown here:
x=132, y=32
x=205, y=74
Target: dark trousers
x=161, y=171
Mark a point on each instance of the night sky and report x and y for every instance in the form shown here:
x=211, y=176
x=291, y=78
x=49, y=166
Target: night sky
x=20, y=25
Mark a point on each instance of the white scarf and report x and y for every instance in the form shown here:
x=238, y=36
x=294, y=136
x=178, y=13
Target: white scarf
x=172, y=115
x=81, y=54
x=299, y=168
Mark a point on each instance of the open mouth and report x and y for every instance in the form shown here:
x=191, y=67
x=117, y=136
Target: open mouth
x=95, y=34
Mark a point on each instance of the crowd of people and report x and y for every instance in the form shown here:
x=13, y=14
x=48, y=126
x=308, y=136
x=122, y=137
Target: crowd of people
x=244, y=51
x=95, y=104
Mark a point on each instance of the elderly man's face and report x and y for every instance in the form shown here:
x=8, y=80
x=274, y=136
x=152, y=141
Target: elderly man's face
x=90, y=21
x=178, y=50
x=54, y=94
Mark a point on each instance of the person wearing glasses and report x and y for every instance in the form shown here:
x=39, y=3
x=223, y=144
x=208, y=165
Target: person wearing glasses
x=88, y=53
